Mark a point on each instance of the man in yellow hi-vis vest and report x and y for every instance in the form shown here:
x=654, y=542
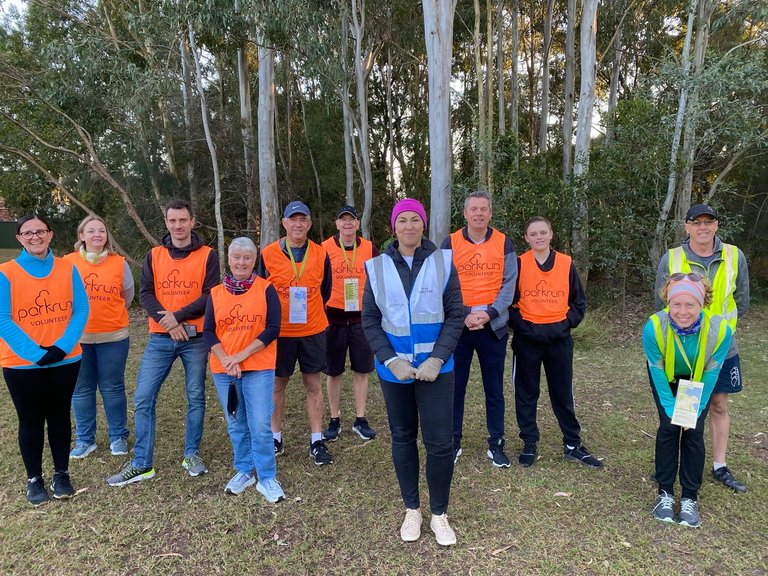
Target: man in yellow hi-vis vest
x=725, y=266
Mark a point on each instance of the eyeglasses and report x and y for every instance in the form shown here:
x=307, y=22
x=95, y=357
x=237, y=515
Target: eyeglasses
x=692, y=276
x=699, y=223
x=28, y=234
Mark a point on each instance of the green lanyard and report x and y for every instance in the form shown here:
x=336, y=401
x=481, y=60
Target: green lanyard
x=296, y=272
x=344, y=253
x=684, y=355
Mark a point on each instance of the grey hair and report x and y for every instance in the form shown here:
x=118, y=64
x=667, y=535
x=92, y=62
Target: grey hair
x=479, y=194
x=243, y=243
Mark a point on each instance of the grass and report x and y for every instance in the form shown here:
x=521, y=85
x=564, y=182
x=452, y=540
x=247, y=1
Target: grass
x=345, y=518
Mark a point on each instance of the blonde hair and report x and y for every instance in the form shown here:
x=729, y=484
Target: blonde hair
x=664, y=291
x=92, y=218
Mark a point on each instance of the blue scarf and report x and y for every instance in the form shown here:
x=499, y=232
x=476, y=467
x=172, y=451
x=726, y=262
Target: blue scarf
x=692, y=329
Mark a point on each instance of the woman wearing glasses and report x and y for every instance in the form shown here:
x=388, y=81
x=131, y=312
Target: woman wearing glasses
x=683, y=342
x=242, y=323
x=43, y=311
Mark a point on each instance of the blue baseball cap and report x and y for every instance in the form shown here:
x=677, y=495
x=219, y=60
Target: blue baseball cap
x=296, y=208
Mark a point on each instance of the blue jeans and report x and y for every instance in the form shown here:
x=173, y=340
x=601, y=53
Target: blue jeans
x=250, y=431
x=159, y=356
x=102, y=366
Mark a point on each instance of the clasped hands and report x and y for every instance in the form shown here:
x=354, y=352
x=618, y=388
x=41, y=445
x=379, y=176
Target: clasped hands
x=477, y=320
x=427, y=371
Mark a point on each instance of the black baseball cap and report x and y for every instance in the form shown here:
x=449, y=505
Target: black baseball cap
x=347, y=210
x=296, y=208
x=700, y=210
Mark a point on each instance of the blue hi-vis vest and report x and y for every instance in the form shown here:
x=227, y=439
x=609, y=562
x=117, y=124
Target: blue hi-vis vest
x=413, y=324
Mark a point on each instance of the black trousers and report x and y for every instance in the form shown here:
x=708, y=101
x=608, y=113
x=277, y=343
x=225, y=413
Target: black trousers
x=679, y=449
x=431, y=405
x=43, y=396
x=557, y=358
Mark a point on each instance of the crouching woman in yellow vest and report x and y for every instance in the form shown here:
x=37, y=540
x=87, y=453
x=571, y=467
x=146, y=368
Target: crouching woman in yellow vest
x=683, y=342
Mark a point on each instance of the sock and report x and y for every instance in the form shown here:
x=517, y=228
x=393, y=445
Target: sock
x=278, y=436
x=315, y=436
x=717, y=465
x=337, y=419
x=570, y=447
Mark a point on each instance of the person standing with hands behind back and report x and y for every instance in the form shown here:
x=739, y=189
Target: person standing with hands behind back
x=549, y=303
x=413, y=316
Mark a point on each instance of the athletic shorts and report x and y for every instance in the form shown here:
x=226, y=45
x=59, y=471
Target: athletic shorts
x=729, y=380
x=308, y=350
x=343, y=337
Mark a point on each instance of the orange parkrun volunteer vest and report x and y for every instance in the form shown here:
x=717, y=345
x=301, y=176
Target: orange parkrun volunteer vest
x=239, y=321
x=104, y=285
x=544, y=295
x=178, y=282
x=282, y=276
x=341, y=270
x=480, y=267
x=42, y=307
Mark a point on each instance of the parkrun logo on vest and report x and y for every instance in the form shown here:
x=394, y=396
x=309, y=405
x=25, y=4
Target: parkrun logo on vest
x=237, y=320
x=175, y=286
x=285, y=291
x=342, y=271
x=97, y=291
x=43, y=307
x=541, y=291
x=476, y=267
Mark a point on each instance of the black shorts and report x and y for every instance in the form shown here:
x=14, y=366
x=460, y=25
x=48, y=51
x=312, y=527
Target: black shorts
x=729, y=380
x=308, y=350
x=343, y=337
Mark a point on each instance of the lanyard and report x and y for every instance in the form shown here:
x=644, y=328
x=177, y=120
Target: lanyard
x=344, y=253
x=684, y=355
x=297, y=272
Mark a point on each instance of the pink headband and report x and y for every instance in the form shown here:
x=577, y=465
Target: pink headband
x=680, y=287
x=408, y=205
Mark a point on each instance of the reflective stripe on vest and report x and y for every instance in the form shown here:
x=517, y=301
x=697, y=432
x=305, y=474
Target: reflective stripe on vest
x=723, y=284
x=412, y=325
x=104, y=286
x=712, y=327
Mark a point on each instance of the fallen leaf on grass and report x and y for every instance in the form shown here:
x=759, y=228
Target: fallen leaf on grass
x=502, y=549
x=563, y=494
x=626, y=544
x=297, y=499
x=81, y=491
x=606, y=563
x=169, y=555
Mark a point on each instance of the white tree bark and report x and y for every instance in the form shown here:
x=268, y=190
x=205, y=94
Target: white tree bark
x=570, y=87
x=500, y=66
x=545, y=49
x=211, y=150
x=345, y=110
x=246, y=129
x=514, y=95
x=438, y=34
x=482, y=159
x=489, y=75
x=580, y=237
x=186, y=94
x=613, y=91
x=270, y=210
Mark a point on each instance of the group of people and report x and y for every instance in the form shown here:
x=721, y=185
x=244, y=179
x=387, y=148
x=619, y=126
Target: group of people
x=414, y=313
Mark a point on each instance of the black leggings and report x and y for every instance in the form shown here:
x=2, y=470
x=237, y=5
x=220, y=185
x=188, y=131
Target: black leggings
x=43, y=396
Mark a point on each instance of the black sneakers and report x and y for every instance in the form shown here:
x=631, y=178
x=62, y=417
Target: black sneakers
x=278, y=447
x=496, y=454
x=319, y=453
x=334, y=429
x=527, y=457
x=61, y=486
x=724, y=476
x=581, y=454
x=36, y=492
x=361, y=428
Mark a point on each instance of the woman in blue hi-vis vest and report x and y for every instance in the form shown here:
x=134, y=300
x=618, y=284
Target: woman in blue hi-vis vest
x=413, y=315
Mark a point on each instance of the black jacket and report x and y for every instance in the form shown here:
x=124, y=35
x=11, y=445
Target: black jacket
x=453, y=306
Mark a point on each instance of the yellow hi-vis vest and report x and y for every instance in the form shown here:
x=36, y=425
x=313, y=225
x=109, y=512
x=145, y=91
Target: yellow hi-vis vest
x=723, y=284
x=711, y=336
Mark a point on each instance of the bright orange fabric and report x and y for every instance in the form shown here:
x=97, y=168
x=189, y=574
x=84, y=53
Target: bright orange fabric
x=104, y=285
x=480, y=267
x=341, y=271
x=42, y=307
x=178, y=282
x=282, y=276
x=239, y=321
x=544, y=295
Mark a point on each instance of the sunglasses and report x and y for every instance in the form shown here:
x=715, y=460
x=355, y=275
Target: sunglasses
x=692, y=276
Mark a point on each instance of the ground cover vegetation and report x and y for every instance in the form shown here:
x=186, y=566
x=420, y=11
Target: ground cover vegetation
x=554, y=518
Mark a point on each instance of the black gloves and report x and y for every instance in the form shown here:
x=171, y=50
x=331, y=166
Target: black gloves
x=53, y=354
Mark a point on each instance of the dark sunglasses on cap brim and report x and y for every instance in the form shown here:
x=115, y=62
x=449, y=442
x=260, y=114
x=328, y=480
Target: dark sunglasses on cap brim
x=692, y=276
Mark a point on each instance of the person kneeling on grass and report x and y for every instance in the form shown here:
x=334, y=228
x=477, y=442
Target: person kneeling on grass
x=242, y=322
x=683, y=341
x=549, y=302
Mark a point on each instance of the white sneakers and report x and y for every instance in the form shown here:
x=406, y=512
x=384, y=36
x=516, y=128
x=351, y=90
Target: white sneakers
x=411, y=528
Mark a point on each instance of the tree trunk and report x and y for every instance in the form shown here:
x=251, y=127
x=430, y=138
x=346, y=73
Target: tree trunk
x=545, y=48
x=489, y=92
x=613, y=91
x=500, y=65
x=570, y=87
x=481, y=135
x=186, y=94
x=390, y=122
x=588, y=51
x=246, y=128
x=514, y=95
x=211, y=150
x=345, y=110
x=438, y=33
x=270, y=210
